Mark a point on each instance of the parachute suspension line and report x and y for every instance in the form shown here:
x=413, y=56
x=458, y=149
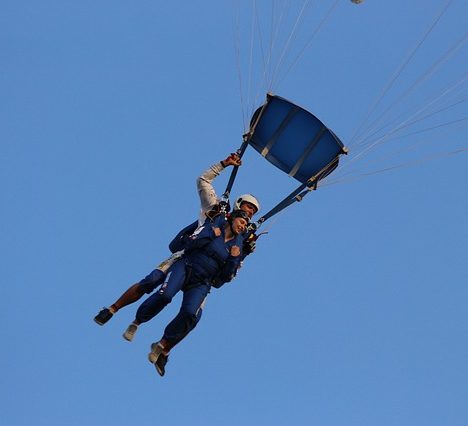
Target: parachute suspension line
x=410, y=121
x=274, y=38
x=236, y=34
x=398, y=72
x=420, y=80
x=258, y=43
x=284, y=12
x=288, y=42
x=263, y=86
x=260, y=36
x=430, y=115
x=381, y=140
x=398, y=166
x=411, y=146
x=309, y=41
x=262, y=82
x=254, y=28
x=422, y=142
x=240, y=153
x=417, y=117
x=427, y=129
x=252, y=38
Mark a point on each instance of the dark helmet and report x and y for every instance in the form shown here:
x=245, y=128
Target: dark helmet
x=239, y=213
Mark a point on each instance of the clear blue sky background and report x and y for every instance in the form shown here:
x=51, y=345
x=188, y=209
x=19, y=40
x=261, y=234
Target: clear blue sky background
x=353, y=309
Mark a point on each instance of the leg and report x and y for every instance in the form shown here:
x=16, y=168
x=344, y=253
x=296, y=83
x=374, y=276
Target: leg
x=188, y=316
x=136, y=291
x=159, y=300
x=163, y=358
x=131, y=295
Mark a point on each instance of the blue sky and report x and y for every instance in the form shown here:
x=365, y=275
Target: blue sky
x=352, y=311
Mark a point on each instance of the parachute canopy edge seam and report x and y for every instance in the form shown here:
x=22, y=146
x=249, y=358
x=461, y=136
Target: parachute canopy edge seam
x=307, y=151
x=292, y=112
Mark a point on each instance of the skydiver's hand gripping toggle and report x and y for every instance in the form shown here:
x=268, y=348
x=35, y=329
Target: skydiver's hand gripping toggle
x=250, y=243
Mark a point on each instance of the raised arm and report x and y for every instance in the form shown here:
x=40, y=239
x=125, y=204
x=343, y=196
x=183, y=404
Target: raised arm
x=206, y=191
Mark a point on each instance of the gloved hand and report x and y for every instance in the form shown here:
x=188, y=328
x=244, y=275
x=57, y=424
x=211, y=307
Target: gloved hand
x=249, y=246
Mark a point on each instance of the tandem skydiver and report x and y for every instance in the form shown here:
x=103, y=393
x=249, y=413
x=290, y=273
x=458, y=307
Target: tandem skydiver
x=210, y=204
x=211, y=258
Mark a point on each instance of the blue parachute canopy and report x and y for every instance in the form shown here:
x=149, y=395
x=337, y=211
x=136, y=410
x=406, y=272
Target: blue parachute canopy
x=294, y=140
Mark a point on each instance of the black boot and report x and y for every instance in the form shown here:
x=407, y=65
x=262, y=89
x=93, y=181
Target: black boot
x=103, y=316
x=161, y=364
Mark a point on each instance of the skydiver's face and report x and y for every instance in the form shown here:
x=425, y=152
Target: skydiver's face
x=239, y=225
x=249, y=208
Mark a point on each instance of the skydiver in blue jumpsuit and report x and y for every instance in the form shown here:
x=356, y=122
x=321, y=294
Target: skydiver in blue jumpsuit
x=211, y=258
x=209, y=201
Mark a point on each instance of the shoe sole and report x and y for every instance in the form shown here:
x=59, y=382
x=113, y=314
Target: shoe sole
x=102, y=322
x=153, y=356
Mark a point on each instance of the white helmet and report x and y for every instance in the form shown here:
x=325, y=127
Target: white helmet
x=246, y=198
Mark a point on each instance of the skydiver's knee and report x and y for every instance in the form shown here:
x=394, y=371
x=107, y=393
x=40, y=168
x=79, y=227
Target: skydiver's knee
x=152, y=280
x=148, y=287
x=163, y=298
x=190, y=319
x=156, y=301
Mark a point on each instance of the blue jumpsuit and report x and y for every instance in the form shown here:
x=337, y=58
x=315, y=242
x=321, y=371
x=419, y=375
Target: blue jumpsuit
x=156, y=277
x=207, y=262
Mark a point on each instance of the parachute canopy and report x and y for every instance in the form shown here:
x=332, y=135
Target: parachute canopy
x=294, y=140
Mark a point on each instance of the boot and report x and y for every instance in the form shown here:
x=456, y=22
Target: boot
x=103, y=316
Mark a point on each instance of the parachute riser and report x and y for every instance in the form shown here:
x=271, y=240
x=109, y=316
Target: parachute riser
x=240, y=152
x=296, y=196
x=299, y=193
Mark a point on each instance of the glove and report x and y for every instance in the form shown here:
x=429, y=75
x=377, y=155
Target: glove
x=249, y=246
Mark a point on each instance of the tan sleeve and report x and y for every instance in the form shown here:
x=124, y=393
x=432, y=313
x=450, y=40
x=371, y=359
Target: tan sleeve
x=206, y=191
